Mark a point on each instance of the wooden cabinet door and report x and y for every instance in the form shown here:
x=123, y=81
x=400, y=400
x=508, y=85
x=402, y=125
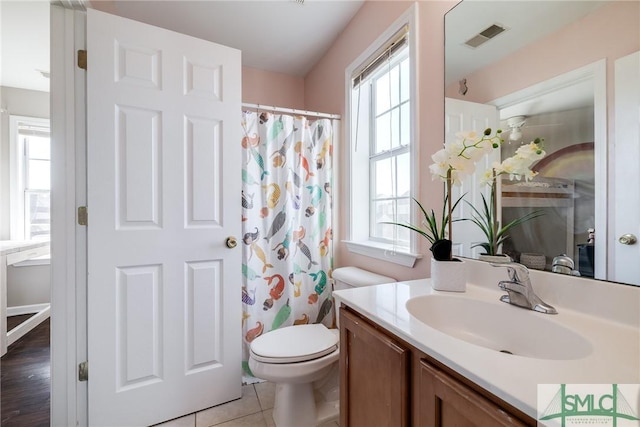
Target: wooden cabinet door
x=374, y=376
x=445, y=401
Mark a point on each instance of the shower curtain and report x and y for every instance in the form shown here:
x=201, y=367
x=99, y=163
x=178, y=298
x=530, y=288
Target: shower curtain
x=287, y=235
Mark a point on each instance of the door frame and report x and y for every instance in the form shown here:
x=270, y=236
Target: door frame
x=597, y=73
x=68, y=240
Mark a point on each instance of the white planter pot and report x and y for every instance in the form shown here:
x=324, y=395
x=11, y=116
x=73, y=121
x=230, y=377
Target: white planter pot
x=449, y=275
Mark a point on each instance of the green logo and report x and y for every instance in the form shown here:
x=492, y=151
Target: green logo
x=584, y=405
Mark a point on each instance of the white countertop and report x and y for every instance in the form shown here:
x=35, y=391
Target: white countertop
x=10, y=246
x=615, y=357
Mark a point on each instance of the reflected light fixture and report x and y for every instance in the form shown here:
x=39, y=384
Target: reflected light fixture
x=515, y=124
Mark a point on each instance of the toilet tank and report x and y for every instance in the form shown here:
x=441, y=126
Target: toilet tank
x=353, y=277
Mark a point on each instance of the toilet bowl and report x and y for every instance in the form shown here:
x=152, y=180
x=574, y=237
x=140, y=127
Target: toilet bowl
x=295, y=358
x=302, y=361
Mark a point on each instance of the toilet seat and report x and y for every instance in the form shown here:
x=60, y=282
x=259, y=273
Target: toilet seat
x=293, y=344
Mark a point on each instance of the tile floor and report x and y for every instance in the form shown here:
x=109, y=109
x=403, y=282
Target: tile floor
x=254, y=409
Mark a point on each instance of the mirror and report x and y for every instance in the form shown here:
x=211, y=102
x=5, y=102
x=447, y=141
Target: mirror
x=550, y=70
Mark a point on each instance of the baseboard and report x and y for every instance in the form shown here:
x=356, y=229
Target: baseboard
x=26, y=309
x=23, y=328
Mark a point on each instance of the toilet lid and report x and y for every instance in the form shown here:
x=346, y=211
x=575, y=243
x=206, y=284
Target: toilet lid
x=294, y=344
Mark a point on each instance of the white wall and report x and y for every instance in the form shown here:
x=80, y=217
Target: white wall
x=29, y=284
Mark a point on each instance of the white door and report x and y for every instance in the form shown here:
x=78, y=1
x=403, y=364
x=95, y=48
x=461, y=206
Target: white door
x=164, y=311
x=463, y=116
x=624, y=265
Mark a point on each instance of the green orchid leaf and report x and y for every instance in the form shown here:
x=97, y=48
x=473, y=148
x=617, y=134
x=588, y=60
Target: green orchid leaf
x=435, y=227
x=485, y=219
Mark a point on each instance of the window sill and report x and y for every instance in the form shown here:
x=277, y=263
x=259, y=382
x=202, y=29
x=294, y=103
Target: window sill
x=383, y=252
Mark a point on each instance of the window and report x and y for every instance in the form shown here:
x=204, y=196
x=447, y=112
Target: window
x=381, y=122
x=30, y=178
x=389, y=155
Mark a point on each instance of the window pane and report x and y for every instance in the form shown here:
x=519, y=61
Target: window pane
x=383, y=133
x=382, y=187
x=395, y=85
x=38, y=147
x=383, y=211
x=405, y=123
x=38, y=175
x=403, y=215
x=37, y=214
x=395, y=128
x=382, y=94
x=403, y=176
x=404, y=80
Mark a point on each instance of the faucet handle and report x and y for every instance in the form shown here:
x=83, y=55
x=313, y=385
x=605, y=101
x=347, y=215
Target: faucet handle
x=517, y=272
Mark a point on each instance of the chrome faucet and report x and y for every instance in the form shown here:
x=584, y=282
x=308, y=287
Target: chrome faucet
x=519, y=290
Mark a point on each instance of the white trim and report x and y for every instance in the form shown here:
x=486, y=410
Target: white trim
x=597, y=73
x=601, y=160
x=414, y=54
x=28, y=325
x=16, y=196
x=41, y=260
x=68, y=240
x=19, y=310
x=410, y=18
x=546, y=87
x=383, y=252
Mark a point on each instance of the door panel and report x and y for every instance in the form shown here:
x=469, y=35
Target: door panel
x=444, y=402
x=464, y=116
x=374, y=390
x=163, y=195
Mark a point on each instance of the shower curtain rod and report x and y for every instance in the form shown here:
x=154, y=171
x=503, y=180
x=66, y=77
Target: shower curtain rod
x=291, y=111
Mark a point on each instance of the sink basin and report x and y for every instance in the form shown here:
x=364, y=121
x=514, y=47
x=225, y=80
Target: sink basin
x=499, y=326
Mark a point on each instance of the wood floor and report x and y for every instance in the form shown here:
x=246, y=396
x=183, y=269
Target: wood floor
x=25, y=377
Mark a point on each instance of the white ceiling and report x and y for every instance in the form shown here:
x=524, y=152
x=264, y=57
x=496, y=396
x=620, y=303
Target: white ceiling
x=282, y=36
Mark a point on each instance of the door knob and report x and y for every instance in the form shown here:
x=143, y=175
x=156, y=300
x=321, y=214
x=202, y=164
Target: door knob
x=628, y=239
x=231, y=242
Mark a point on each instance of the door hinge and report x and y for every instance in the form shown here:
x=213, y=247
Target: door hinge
x=83, y=371
x=82, y=59
x=83, y=216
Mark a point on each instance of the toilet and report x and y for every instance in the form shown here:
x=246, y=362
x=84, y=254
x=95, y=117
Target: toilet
x=302, y=361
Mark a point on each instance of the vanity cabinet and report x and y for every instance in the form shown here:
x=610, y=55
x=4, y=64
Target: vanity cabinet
x=385, y=381
x=444, y=401
x=374, y=376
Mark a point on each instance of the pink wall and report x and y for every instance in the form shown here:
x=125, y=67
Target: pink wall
x=324, y=91
x=274, y=89
x=611, y=32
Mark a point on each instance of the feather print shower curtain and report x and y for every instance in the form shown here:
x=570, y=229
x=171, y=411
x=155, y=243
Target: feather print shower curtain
x=287, y=235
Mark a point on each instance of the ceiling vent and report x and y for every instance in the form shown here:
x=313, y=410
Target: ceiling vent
x=484, y=36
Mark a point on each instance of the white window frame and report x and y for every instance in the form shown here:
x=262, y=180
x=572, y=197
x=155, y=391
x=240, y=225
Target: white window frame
x=358, y=202
x=17, y=174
